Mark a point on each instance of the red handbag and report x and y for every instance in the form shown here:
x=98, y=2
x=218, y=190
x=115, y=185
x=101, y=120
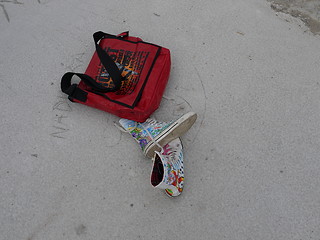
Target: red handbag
x=126, y=77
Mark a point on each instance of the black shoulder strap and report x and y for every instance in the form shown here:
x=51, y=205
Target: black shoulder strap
x=107, y=61
x=74, y=92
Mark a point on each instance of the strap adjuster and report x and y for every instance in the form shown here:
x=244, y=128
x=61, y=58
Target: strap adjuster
x=76, y=93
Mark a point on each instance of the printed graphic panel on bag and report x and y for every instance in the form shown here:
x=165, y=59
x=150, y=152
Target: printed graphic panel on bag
x=134, y=60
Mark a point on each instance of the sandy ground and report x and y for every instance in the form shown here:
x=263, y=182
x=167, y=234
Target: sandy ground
x=308, y=11
x=251, y=160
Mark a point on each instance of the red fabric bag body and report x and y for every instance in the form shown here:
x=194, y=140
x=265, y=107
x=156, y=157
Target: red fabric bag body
x=143, y=72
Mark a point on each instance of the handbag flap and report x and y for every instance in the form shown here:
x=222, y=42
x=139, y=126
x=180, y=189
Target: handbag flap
x=135, y=60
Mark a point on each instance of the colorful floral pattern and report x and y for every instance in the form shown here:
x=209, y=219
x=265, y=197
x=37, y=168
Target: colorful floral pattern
x=172, y=160
x=171, y=155
x=144, y=132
